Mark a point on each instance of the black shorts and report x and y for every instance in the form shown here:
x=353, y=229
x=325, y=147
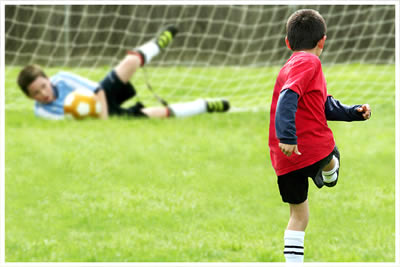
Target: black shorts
x=117, y=93
x=293, y=186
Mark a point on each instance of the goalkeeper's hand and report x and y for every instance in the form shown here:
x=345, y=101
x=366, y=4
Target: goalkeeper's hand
x=365, y=110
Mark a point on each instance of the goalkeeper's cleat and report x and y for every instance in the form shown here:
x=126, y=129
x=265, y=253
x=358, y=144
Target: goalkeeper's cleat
x=165, y=36
x=218, y=105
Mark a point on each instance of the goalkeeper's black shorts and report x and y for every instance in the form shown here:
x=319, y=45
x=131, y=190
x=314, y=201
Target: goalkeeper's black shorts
x=293, y=186
x=117, y=93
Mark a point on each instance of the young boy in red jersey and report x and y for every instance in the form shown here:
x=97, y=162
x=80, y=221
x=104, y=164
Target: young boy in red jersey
x=300, y=141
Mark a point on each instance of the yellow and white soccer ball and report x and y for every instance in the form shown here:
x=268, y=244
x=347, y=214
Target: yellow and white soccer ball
x=81, y=104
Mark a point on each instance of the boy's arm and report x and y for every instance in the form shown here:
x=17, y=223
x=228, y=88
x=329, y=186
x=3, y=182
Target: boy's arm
x=101, y=96
x=336, y=111
x=285, y=122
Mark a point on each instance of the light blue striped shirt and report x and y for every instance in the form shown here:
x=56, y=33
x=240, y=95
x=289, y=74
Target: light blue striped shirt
x=63, y=83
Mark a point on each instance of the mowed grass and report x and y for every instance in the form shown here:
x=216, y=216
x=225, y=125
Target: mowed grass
x=199, y=189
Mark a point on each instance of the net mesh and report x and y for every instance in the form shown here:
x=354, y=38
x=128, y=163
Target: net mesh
x=226, y=51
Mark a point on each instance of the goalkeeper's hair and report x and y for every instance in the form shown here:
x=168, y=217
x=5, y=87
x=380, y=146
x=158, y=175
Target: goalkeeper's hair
x=304, y=29
x=29, y=74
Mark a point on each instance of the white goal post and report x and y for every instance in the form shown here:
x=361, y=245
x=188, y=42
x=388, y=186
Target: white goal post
x=230, y=51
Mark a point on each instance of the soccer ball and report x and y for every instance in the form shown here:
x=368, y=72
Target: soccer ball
x=81, y=104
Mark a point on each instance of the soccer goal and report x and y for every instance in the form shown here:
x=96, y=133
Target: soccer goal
x=226, y=51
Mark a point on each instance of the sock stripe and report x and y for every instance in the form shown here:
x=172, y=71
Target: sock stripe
x=170, y=113
x=300, y=247
x=139, y=54
x=293, y=252
x=294, y=246
x=300, y=250
x=335, y=168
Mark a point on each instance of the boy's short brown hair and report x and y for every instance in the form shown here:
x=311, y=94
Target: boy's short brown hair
x=28, y=75
x=304, y=29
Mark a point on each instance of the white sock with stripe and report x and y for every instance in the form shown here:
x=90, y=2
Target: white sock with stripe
x=331, y=176
x=189, y=108
x=294, y=246
x=149, y=50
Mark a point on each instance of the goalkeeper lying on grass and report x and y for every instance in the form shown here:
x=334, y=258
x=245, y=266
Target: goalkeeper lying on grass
x=49, y=93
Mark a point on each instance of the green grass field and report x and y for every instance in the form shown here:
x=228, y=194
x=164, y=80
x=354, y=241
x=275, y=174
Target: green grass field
x=199, y=189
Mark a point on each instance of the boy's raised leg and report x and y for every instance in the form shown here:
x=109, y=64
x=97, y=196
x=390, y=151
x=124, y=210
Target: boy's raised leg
x=330, y=173
x=153, y=47
x=145, y=53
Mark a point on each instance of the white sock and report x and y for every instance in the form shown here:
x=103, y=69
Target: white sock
x=189, y=108
x=294, y=246
x=331, y=176
x=149, y=50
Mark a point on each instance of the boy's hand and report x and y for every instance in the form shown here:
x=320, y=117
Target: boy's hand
x=365, y=110
x=289, y=149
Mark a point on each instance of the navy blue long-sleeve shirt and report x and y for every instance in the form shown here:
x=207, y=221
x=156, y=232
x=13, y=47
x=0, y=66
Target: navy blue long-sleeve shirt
x=286, y=113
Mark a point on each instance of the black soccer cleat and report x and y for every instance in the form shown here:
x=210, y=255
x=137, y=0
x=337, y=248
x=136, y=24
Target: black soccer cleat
x=166, y=36
x=318, y=179
x=218, y=105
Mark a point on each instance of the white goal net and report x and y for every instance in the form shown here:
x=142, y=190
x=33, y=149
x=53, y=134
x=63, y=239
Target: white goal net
x=226, y=51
